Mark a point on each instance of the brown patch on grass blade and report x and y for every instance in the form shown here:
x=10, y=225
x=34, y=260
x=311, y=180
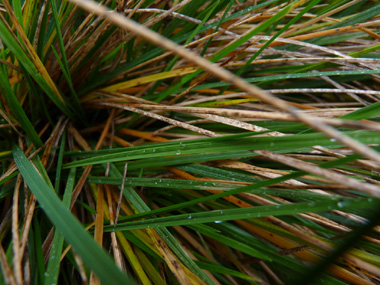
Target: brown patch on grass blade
x=260, y=115
x=115, y=245
x=161, y=118
x=6, y=269
x=184, y=275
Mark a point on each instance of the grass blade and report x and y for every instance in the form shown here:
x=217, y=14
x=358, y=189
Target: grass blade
x=244, y=213
x=93, y=256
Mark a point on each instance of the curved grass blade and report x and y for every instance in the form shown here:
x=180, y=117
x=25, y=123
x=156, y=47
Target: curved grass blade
x=93, y=256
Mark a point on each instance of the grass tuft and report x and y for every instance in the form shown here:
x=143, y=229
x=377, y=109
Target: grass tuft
x=189, y=142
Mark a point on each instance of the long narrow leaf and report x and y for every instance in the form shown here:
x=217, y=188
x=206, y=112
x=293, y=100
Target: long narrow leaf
x=217, y=216
x=93, y=256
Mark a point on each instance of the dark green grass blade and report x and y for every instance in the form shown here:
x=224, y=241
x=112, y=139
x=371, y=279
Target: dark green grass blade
x=93, y=256
x=270, y=78
x=38, y=251
x=163, y=183
x=52, y=271
x=249, y=249
x=164, y=154
x=216, y=268
x=59, y=163
x=243, y=213
x=17, y=109
x=64, y=64
x=359, y=17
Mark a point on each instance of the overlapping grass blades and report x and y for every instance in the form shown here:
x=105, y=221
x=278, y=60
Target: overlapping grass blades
x=68, y=225
x=181, y=171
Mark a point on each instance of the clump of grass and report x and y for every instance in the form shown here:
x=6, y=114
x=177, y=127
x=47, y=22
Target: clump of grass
x=191, y=142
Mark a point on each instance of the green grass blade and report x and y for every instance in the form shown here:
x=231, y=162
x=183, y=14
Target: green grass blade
x=163, y=183
x=359, y=18
x=17, y=109
x=165, y=154
x=52, y=271
x=249, y=249
x=93, y=256
x=283, y=29
x=262, y=79
x=216, y=268
x=217, y=216
x=64, y=64
x=59, y=163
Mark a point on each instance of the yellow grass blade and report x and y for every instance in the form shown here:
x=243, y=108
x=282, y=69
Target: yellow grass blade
x=149, y=78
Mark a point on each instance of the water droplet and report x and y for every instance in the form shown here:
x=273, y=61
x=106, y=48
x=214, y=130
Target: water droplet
x=333, y=140
x=178, y=152
x=340, y=204
x=189, y=217
x=144, y=150
x=218, y=222
x=154, y=150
